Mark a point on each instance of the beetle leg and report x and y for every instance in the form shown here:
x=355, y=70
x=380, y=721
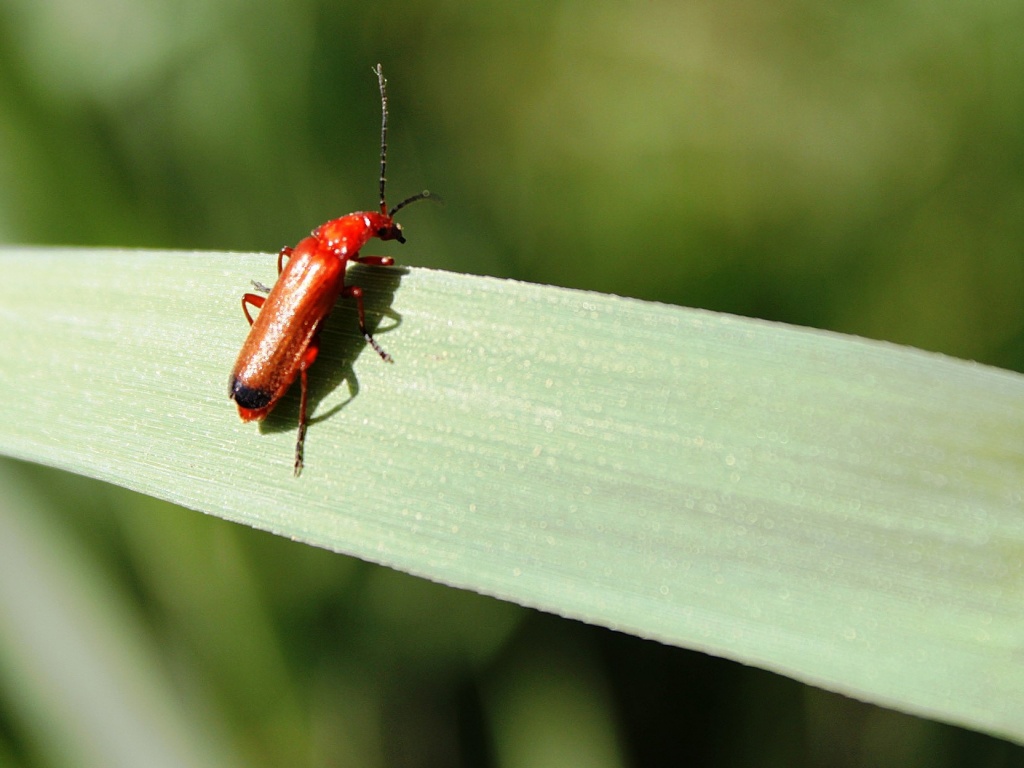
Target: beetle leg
x=282, y=254
x=355, y=292
x=307, y=360
x=301, y=439
x=251, y=298
x=375, y=261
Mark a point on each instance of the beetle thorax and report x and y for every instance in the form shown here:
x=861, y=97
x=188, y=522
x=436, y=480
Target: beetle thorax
x=348, y=234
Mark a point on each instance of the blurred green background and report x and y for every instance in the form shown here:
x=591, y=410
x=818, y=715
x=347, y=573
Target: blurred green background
x=851, y=166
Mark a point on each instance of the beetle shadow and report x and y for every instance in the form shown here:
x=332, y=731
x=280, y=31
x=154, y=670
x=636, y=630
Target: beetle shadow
x=341, y=344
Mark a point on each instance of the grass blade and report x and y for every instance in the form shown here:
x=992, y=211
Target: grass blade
x=846, y=512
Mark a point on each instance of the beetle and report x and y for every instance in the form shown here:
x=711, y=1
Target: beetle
x=284, y=339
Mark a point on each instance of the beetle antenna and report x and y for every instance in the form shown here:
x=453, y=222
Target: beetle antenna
x=383, y=134
x=421, y=196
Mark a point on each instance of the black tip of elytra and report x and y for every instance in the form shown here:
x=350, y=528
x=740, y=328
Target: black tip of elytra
x=248, y=397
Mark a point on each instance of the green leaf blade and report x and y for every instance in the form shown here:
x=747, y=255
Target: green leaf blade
x=844, y=511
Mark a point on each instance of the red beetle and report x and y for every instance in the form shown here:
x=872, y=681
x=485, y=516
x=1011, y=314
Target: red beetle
x=285, y=337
